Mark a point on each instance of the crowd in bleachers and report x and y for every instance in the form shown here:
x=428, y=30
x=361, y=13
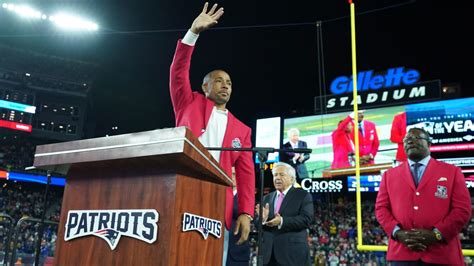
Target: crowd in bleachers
x=332, y=237
x=46, y=65
x=21, y=200
x=44, y=71
x=16, y=152
x=35, y=80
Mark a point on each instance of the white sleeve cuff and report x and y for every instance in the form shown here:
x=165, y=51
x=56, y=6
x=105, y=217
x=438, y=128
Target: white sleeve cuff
x=190, y=38
x=281, y=224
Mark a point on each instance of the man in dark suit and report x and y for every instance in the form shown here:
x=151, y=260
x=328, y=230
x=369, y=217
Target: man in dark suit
x=423, y=205
x=287, y=214
x=296, y=160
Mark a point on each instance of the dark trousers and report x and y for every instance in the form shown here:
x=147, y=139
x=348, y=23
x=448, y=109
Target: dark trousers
x=273, y=261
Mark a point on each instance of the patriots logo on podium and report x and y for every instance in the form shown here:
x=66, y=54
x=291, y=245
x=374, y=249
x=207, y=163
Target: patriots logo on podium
x=203, y=225
x=110, y=225
x=111, y=236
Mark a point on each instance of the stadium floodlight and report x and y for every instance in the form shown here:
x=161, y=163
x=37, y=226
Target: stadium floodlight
x=27, y=12
x=23, y=10
x=71, y=22
x=64, y=21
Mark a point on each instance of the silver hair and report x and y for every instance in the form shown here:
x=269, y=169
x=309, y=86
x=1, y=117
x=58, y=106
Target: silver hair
x=293, y=131
x=289, y=169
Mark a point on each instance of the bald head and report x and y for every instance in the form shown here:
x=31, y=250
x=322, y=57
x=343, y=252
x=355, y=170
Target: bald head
x=217, y=86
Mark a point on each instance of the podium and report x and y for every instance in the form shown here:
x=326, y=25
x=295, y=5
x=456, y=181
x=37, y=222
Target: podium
x=166, y=170
x=364, y=169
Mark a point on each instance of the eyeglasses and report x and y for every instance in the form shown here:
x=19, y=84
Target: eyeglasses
x=415, y=138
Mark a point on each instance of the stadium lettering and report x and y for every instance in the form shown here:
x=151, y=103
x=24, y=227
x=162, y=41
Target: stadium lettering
x=313, y=186
x=368, y=81
x=459, y=126
x=469, y=184
x=395, y=95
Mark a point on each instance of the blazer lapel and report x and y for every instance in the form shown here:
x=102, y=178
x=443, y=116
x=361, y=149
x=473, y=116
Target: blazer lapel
x=207, y=113
x=271, y=211
x=228, y=132
x=407, y=176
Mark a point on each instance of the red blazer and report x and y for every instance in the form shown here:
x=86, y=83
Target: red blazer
x=193, y=110
x=398, y=132
x=369, y=143
x=341, y=145
x=441, y=200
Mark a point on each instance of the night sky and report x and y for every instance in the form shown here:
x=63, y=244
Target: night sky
x=268, y=47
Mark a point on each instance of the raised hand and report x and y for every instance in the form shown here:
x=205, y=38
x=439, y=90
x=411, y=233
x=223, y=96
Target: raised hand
x=206, y=19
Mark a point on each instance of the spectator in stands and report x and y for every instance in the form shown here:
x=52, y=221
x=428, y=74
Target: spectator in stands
x=423, y=205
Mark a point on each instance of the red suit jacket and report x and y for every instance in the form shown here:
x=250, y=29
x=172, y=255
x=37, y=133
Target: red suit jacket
x=369, y=143
x=193, y=110
x=341, y=145
x=398, y=132
x=441, y=200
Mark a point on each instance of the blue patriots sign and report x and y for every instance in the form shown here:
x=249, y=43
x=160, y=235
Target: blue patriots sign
x=110, y=225
x=203, y=225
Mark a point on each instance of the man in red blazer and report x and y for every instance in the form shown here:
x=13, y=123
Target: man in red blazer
x=368, y=139
x=342, y=145
x=207, y=117
x=397, y=133
x=423, y=205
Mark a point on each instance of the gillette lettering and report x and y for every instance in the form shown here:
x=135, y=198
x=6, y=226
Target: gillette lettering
x=368, y=81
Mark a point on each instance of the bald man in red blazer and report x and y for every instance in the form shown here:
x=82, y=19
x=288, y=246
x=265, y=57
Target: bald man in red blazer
x=342, y=144
x=368, y=141
x=194, y=111
x=424, y=220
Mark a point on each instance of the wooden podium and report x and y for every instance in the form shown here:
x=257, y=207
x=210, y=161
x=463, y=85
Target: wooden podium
x=166, y=170
x=364, y=169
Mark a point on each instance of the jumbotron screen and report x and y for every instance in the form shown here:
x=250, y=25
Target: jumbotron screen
x=450, y=123
x=16, y=116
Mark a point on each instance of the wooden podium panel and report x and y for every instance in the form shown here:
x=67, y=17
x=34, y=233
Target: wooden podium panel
x=364, y=169
x=165, y=170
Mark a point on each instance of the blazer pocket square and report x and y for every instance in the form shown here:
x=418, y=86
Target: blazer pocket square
x=441, y=179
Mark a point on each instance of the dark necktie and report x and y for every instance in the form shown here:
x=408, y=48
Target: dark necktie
x=361, y=131
x=416, y=178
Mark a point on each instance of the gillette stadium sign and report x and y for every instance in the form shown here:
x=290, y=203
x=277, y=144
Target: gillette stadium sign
x=393, y=87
